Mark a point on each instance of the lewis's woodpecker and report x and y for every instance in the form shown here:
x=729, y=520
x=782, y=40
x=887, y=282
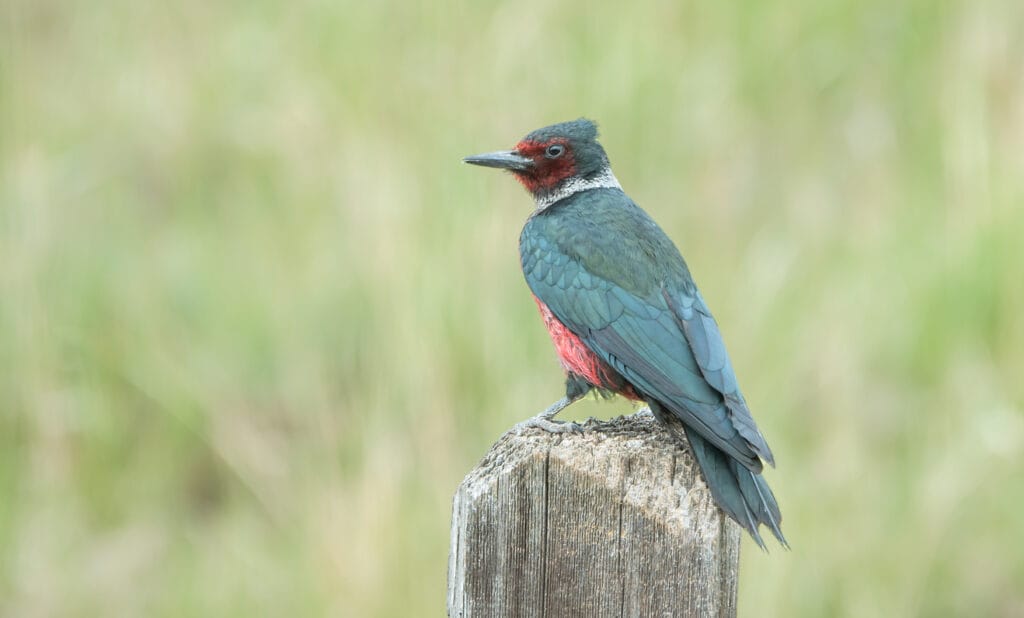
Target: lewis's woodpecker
x=626, y=316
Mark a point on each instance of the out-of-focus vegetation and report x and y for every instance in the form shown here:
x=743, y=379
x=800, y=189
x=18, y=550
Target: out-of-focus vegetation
x=257, y=320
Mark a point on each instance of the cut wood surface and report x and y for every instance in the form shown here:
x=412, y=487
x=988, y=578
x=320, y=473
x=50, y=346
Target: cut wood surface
x=612, y=521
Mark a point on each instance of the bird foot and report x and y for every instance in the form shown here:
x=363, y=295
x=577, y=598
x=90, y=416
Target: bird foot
x=644, y=412
x=544, y=419
x=548, y=425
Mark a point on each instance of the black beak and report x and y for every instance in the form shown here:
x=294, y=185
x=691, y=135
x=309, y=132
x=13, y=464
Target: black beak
x=503, y=159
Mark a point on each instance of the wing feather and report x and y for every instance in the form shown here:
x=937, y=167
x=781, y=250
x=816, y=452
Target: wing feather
x=641, y=339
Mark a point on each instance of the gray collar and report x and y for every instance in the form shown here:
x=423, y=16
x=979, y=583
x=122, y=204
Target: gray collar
x=605, y=180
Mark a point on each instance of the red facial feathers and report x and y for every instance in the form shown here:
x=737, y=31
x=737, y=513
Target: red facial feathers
x=547, y=172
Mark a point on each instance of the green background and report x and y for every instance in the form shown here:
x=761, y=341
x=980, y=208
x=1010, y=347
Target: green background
x=257, y=320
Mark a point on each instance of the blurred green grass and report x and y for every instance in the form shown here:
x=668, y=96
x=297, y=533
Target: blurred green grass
x=257, y=320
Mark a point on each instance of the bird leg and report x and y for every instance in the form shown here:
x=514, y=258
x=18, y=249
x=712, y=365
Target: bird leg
x=575, y=388
x=544, y=419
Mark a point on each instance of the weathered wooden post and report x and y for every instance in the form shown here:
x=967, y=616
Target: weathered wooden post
x=612, y=521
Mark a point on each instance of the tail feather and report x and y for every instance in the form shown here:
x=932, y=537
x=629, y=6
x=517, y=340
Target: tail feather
x=742, y=494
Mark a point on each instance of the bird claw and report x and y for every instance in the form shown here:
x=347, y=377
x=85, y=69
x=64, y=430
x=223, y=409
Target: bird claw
x=644, y=412
x=547, y=425
x=544, y=419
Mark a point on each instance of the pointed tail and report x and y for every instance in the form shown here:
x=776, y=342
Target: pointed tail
x=742, y=494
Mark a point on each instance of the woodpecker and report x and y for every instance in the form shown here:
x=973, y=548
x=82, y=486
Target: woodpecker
x=626, y=317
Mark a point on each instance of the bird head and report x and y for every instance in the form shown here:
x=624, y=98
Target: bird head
x=552, y=160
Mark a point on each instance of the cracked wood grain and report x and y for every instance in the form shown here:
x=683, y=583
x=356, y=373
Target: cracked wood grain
x=613, y=521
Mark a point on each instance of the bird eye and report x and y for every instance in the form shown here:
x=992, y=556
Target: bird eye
x=554, y=151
